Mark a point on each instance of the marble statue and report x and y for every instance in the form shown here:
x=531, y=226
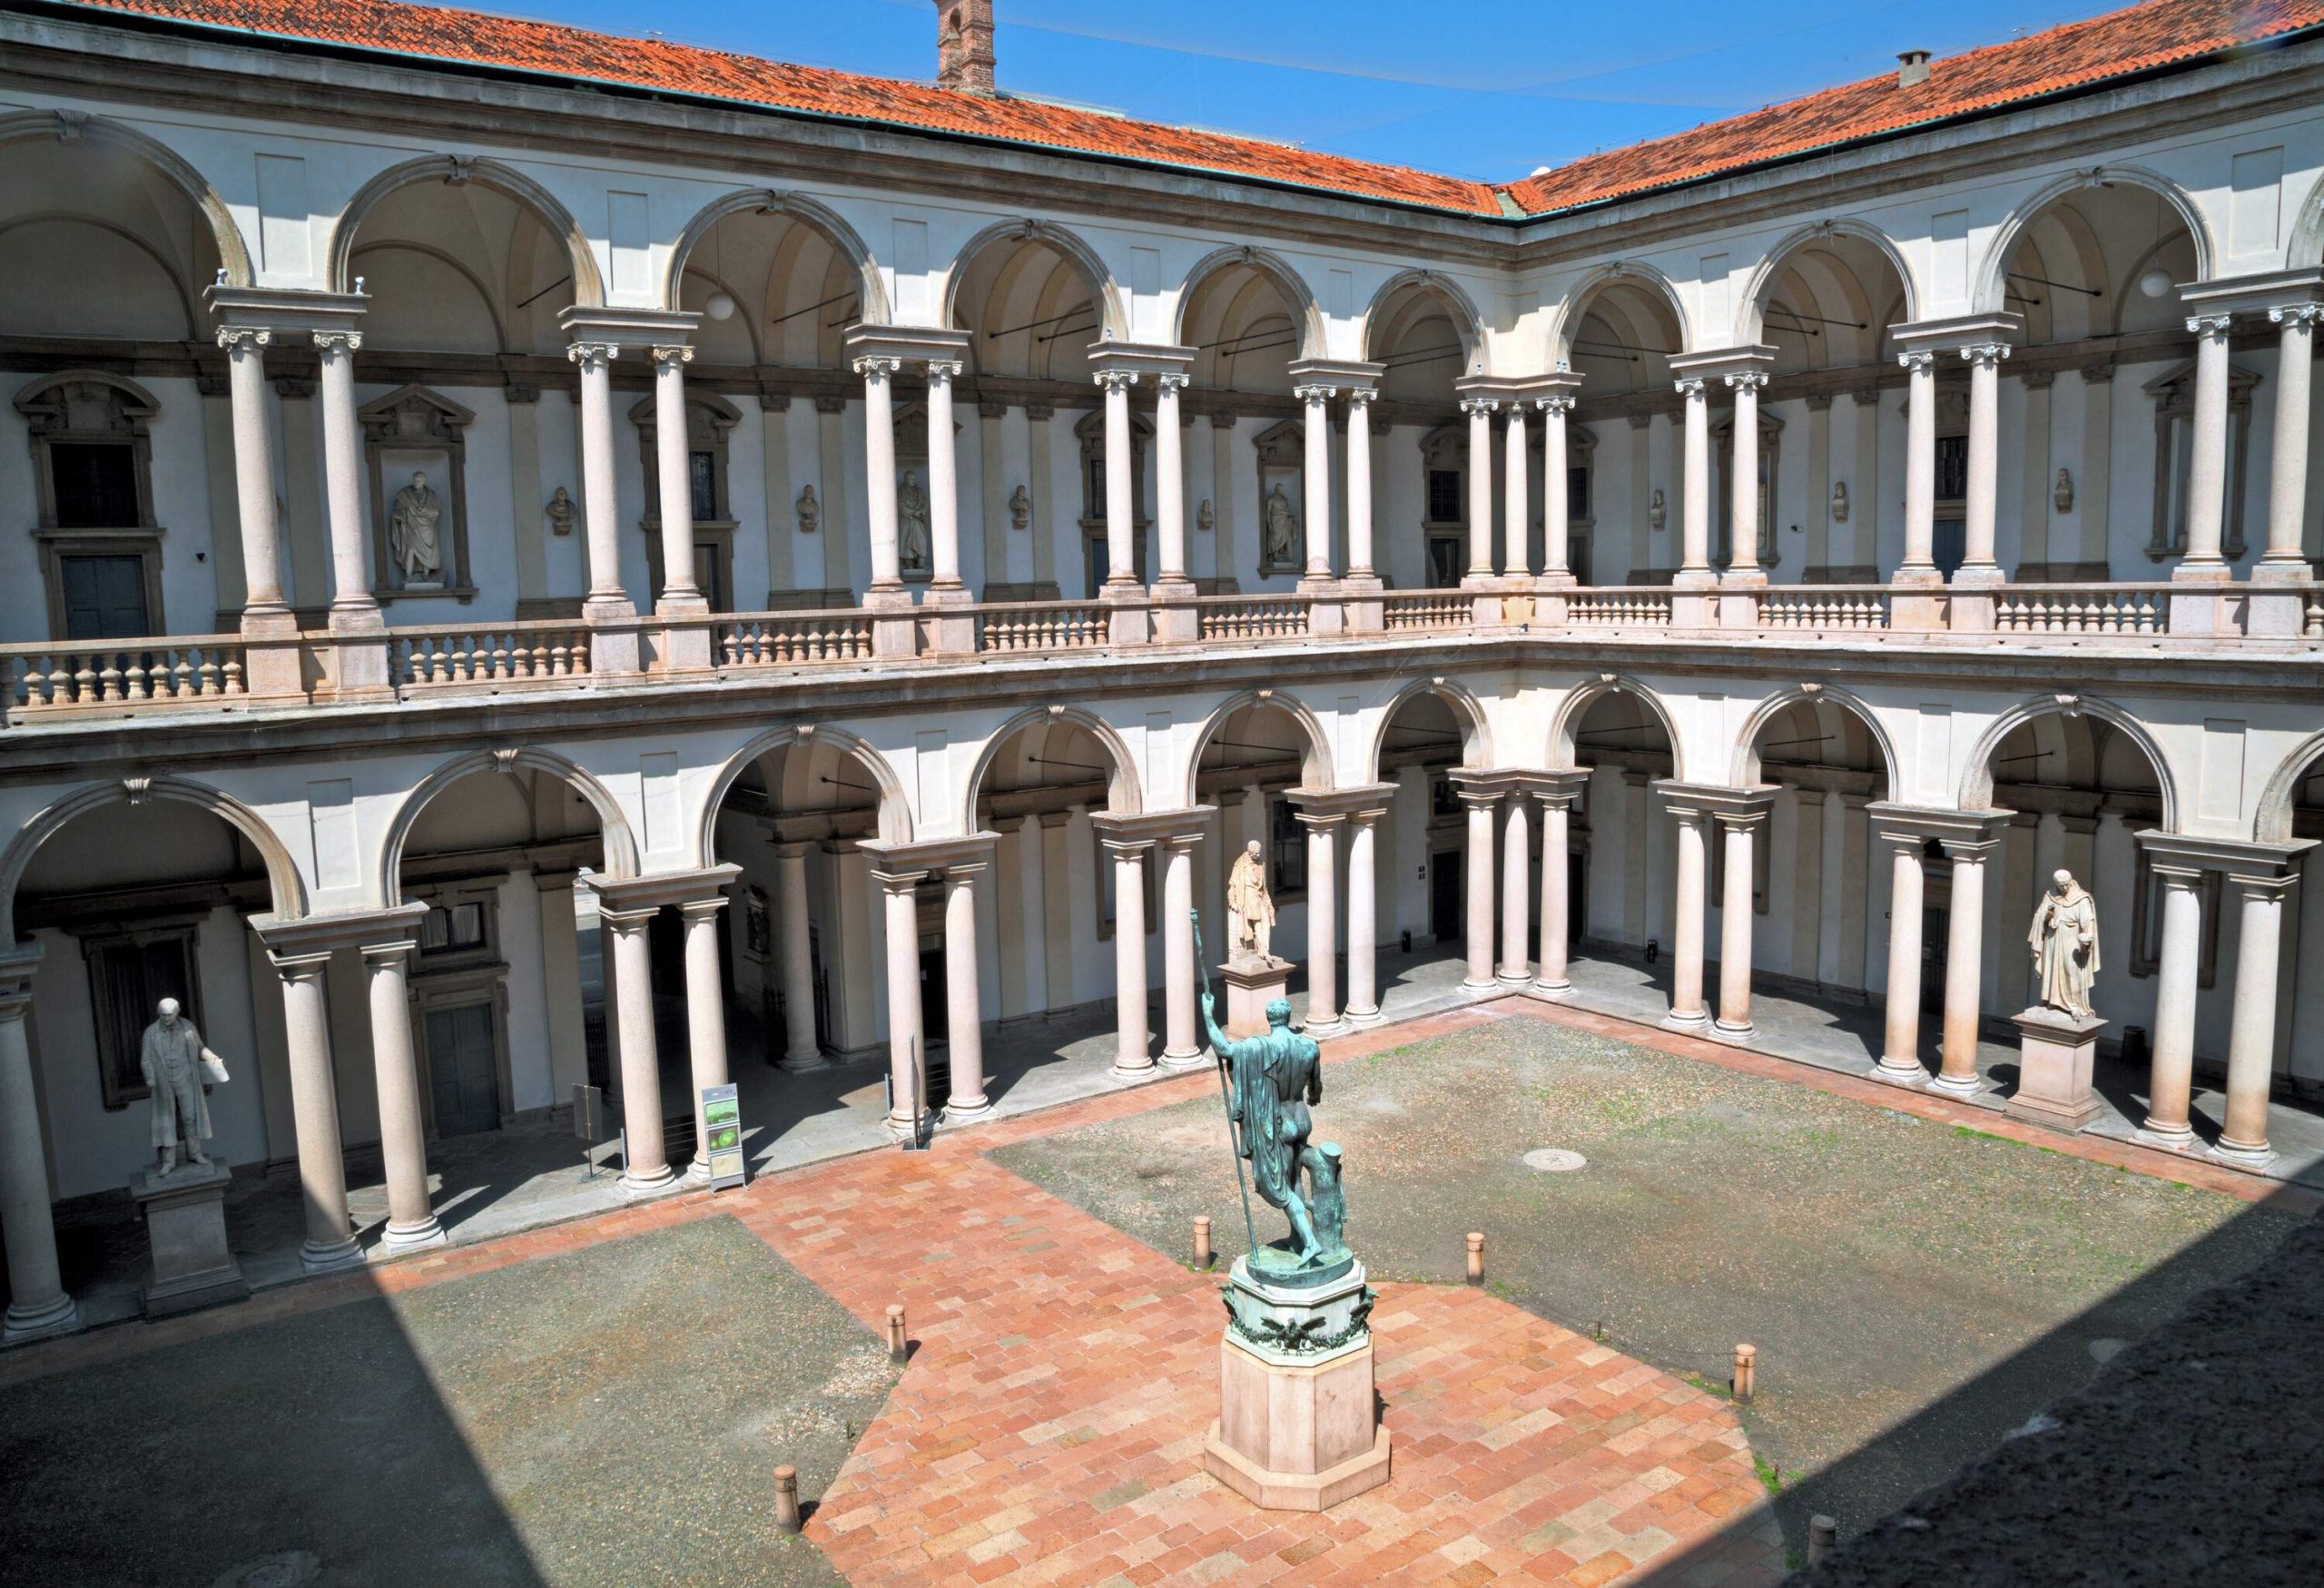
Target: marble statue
x=1020, y=509
x=1205, y=519
x=912, y=523
x=1840, y=502
x=561, y=508
x=1275, y=1078
x=810, y=511
x=412, y=534
x=1249, y=906
x=2064, y=942
x=1281, y=543
x=2061, y=495
x=176, y=1065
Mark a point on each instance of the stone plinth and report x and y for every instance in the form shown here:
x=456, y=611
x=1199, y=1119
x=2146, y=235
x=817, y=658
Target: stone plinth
x=2055, y=1054
x=1253, y=983
x=1297, y=1427
x=185, y=1226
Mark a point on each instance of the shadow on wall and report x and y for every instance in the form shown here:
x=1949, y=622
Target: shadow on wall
x=2195, y=1451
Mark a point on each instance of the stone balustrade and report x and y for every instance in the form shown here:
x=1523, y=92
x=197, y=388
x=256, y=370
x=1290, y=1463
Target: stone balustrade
x=1247, y=618
x=105, y=677
x=1042, y=626
x=491, y=654
x=792, y=639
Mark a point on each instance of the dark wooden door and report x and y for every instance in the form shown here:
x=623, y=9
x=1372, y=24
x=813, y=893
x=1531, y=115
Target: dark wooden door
x=463, y=1072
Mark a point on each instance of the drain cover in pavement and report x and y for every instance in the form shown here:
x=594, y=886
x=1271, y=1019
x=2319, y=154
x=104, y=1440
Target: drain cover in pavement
x=1555, y=1161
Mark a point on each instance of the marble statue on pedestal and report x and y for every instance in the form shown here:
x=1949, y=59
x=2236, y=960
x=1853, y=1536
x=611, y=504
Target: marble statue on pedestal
x=1247, y=901
x=911, y=525
x=412, y=534
x=176, y=1065
x=2064, y=938
x=1281, y=543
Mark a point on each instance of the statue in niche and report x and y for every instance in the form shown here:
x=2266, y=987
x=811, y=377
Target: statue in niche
x=1276, y=1078
x=1020, y=509
x=1250, y=906
x=561, y=508
x=1840, y=502
x=412, y=534
x=810, y=512
x=177, y=1065
x=1280, y=544
x=912, y=523
x=1656, y=515
x=2064, y=942
x=2063, y=495
x=1204, y=518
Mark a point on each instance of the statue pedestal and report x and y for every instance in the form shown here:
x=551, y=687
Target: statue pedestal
x=1297, y=1426
x=185, y=1226
x=2055, y=1054
x=1253, y=983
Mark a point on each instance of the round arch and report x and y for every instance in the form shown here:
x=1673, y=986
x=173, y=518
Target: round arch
x=1446, y=291
x=1286, y=281
x=812, y=213
x=2307, y=246
x=1114, y=323
x=169, y=273
x=620, y=844
x=63, y=126
x=1743, y=766
x=1317, y=760
x=2273, y=824
x=1977, y=778
x=1582, y=698
x=484, y=294
x=1124, y=796
x=289, y=889
x=588, y=286
x=895, y=811
x=1986, y=296
x=1751, y=317
x=1476, y=731
x=1567, y=318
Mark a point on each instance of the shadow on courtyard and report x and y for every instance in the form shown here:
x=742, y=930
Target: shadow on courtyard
x=2193, y=1451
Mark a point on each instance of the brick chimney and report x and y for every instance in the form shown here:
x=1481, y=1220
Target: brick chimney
x=964, y=46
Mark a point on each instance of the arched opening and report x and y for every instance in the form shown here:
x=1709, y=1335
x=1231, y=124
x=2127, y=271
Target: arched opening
x=1421, y=844
x=1248, y=325
x=1619, y=335
x=1623, y=906
x=2300, y=974
x=1424, y=336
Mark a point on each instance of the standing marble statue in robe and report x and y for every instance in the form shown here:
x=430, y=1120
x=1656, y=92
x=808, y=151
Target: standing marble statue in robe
x=175, y=1063
x=412, y=534
x=1249, y=906
x=2064, y=938
x=1280, y=530
x=911, y=525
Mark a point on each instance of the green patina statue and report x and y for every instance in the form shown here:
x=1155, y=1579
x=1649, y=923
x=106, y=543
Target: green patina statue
x=1275, y=1079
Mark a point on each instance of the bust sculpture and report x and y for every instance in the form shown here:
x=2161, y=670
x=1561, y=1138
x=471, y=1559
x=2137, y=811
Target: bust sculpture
x=412, y=534
x=810, y=512
x=2064, y=942
x=1020, y=509
x=1275, y=1079
x=1840, y=502
x=1249, y=906
x=912, y=523
x=176, y=1066
x=1205, y=519
x=1281, y=544
x=561, y=509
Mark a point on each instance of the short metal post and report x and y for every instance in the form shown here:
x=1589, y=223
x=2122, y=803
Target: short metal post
x=786, y=1499
x=896, y=1352
x=1823, y=1537
x=1747, y=1359
x=1203, y=1258
x=1476, y=1257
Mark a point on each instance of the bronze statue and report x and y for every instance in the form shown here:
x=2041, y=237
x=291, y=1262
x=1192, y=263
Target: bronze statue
x=1275, y=1079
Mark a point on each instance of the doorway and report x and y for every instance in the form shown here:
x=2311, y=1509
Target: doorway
x=1445, y=917
x=463, y=1069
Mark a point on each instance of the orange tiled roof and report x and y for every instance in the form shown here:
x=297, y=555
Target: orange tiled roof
x=2078, y=56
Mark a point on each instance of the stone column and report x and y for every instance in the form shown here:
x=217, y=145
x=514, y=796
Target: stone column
x=1316, y=479
x=1964, y=963
x=2252, y=1034
x=944, y=581
x=1694, y=508
x=1363, y=917
x=879, y=373
x=1900, y=1059
x=1557, y=880
x=1687, y=1010
x=1557, y=509
x=1479, y=412
x=1517, y=510
x=705, y=1016
x=2171, y=1081
x=1919, y=565
x=2207, y=467
x=641, y=1072
x=1359, y=493
x=1743, y=542
x=800, y=1050
x=1478, y=862
x=680, y=596
x=1181, y=1031
x=1736, y=919
x=37, y=1304
x=1130, y=1055
x=600, y=508
x=2285, y=559
x=1170, y=480
x=353, y=609
x=1121, y=483
x=963, y=1012
x=254, y=476
x=1516, y=892
x=314, y=1105
x=1323, y=920
x=899, y=893
x=1979, y=565
x=403, y=1138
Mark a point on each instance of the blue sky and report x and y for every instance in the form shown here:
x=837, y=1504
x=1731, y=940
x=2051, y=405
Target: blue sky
x=1480, y=88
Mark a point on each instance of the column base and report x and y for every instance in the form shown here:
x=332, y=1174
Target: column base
x=2255, y=1158
x=1192, y=1059
x=1334, y=1026
x=1558, y=991
x=1475, y=982
x=1977, y=575
x=1121, y=1071
x=2169, y=1137
x=1361, y=1019
x=1724, y=1032
x=967, y=1110
x=1696, y=1023
x=61, y=1316
x=396, y=1239
x=803, y=1063
x=697, y=1173
x=651, y=1183
x=1908, y=1072
x=899, y=1129
x=1959, y=1085
x=1514, y=979
x=324, y=1258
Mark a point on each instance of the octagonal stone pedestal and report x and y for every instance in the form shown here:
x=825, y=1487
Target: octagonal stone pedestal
x=1298, y=1428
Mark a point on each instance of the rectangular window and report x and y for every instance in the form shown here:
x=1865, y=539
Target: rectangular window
x=104, y=596
x=1952, y=467
x=1286, y=849
x=702, y=483
x=96, y=484
x=128, y=979
x=451, y=929
x=1576, y=491
x=1444, y=496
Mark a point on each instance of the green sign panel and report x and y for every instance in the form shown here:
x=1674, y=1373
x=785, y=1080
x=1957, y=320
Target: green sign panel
x=722, y=1124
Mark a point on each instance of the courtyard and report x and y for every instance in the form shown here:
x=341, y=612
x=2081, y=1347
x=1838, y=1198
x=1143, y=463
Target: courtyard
x=603, y=1400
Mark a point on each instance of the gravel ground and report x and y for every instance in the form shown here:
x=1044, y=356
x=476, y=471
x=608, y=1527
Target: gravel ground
x=609, y=1417
x=1915, y=1290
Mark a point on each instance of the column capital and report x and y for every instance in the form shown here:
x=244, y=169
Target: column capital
x=1690, y=386
x=877, y=366
x=16, y=968
x=1170, y=382
x=1751, y=380
x=1153, y=826
x=944, y=371
x=2211, y=325
x=337, y=341
x=2259, y=293
x=1313, y=395
x=1986, y=355
x=2302, y=315
x=671, y=354
x=1739, y=808
x=928, y=855
x=679, y=888
x=1320, y=821
x=1123, y=849
x=1921, y=824
x=1557, y=788
x=2264, y=888
x=1113, y=380
x=1340, y=802
x=233, y=338
x=1917, y=360
x=304, y=967
x=593, y=355
x=1155, y=358
x=1557, y=404
x=394, y=928
x=693, y=909
x=630, y=328
x=1362, y=396
x=961, y=872
x=290, y=310
x=1960, y=331
x=898, y=882
x=1472, y=405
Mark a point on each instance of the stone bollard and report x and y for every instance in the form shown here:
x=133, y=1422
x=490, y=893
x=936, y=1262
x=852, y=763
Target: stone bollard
x=896, y=1349
x=1823, y=1537
x=1203, y=1258
x=1476, y=1257
x=786, y=1499
x=1746, y=1358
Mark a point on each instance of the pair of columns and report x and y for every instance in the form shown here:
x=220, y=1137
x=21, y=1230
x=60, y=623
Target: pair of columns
x=1552, y=397
x=1324, y=815
x=2292, y=302
x=1501, y=802
x=900, y=869
x=879, y=353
